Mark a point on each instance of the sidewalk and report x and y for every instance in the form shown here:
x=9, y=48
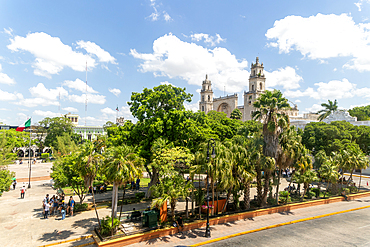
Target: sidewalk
x=197, y=235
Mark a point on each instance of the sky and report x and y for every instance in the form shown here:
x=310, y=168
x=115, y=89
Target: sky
x=313, y=51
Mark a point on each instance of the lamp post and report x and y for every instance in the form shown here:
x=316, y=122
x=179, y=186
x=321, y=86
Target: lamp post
x=213, y=155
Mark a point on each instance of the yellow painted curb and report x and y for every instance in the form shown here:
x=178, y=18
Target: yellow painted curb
x=277, y=225
x=355, y=175
x=67, y=241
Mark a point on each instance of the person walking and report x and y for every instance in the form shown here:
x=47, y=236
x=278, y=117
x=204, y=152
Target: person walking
x=138, y=183
x=47, y=208
x=14, y=184
x=23, y=191
x=71, y=205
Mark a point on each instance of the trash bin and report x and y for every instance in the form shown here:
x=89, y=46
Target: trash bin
x=150, y=218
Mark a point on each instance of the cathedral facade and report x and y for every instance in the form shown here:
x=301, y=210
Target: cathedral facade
x=228, y=103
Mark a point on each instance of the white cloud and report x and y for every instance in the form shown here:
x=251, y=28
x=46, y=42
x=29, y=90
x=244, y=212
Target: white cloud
x=314, y=108
x=5, y=79
x=70, y=109
x=155, y=15
x=8, y=31
x=6, y=96
x=126, y=113
x=285, y=77
x=96, y=50
x=208, y=39
x=332, y=90
x=165, y=83
x=115, y=91
x=192, y=107
x=108, y=111
x=91, y=99
x=33, y=102
x=79, y=85
x=166, y=16
x=4, y=109
x=46, y=113
x=172, y=57
x=51, y=55
x=323, y=37
x=360, y=3
x=297, y=101
x=40, y=91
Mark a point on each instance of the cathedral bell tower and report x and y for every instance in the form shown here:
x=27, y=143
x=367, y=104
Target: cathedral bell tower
x=256, y=88
x=206, y=96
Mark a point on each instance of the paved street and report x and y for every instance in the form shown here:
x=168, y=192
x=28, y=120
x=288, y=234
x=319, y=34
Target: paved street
x=347, y=229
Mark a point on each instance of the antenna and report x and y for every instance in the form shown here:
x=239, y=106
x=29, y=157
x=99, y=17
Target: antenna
x=86, y=96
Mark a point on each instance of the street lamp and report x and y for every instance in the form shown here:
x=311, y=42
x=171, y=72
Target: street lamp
x=213, y=155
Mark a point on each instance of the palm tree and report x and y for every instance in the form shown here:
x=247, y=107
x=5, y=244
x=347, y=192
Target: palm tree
x=329, y=109
x=256, y=158
x=270, y=108
x=291, y=145
x=329, y=171
x=122, y=164
x=90, y=160
x=171, y=188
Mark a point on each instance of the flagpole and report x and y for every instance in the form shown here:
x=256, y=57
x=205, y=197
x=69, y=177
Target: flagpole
x=29, y=160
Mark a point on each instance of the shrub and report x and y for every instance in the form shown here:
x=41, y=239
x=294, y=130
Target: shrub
x=352, y=189
x=140, y=195
x=45, y=155
x=106, y=226
x=271, y=201
x=285, y=196
x=310, y=194
x=80, y=207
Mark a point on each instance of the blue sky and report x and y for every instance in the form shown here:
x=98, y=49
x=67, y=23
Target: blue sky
x=312, y=51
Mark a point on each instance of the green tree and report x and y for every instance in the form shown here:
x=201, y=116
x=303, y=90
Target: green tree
x=361, y=112
x=329, y=171
x=6, y=157
x=270, y=108
x=55, y=127
x=158, y=101
x=236, y=114
x=65, y=172
x=121, y=164
x=90, y=162
x=329, y=108
x=172, y=187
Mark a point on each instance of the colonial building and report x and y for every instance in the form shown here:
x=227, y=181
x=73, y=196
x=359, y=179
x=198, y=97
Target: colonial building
x=227, y=104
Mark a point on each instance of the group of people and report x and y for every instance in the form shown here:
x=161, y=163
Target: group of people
x=98, y=189
x=57, y=204
x=135, y=186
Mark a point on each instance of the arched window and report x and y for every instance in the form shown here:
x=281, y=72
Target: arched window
x=202, y=108
x=254, y=72
x=252, y=87
x=261, y=86
x=202, y=98
x=209, y=98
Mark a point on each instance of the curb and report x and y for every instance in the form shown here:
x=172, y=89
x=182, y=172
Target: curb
x=67, y=241
x=355, y=175
x=277, y=225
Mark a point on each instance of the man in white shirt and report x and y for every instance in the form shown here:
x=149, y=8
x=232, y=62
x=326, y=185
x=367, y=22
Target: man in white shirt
x=47, y=208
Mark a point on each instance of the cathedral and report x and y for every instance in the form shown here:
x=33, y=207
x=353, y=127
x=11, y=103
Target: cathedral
x=228, y=103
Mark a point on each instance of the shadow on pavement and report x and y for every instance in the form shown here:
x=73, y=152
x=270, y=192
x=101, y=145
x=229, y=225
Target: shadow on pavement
x=155, y=240
x=53, y=236
x=38, y=213
x=229, y=224
x=286, y=213
x=85, y=223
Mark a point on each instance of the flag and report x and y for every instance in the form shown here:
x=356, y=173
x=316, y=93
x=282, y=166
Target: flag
x=117, y=109
x=25, y=125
